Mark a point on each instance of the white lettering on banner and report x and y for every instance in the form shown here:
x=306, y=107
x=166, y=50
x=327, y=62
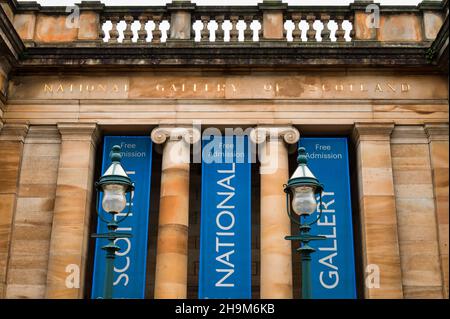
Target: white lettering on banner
x=125, y=250
x=225, y=222
x=327, y=226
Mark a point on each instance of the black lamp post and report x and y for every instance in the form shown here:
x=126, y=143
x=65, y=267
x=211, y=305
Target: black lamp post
x=301, y=191
x=115, y=186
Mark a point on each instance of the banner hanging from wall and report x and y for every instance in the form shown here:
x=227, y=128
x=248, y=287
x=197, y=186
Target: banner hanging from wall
x=225, y=231
x=131, y=261
x=333, y=263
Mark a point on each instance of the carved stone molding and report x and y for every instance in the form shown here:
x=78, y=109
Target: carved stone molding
x=437, y=131
x=409, y=134
x=262, y=133
x=79, y=132
x=43, y=134
x=190, y=135
x=372, y=131
x=14, y=132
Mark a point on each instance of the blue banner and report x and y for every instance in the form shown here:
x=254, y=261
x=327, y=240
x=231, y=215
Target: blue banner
x=131, y=261
x=225, y=231
x=333, y=263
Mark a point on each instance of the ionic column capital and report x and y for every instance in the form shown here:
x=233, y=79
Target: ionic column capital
x=190, y=135
x=79, y=132
x=372, y=131
x=437, y=131
x=263, y=133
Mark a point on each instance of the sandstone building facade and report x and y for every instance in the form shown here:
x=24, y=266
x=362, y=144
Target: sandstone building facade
x=70, y=77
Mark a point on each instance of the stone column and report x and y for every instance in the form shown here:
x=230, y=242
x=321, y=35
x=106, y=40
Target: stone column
x=70, y=229
x=172, y=245
x=276, y=252
x=417, y=228
x=439, y=148
x=378, y=211
x=11, y=146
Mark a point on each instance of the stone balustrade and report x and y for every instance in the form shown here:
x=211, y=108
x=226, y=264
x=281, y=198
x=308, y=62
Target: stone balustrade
x=269, y=22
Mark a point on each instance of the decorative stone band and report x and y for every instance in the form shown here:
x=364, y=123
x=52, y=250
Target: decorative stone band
x=14, y=132
x=437, y=131
x=189, y=134
x=372, y=131
x=263, y=133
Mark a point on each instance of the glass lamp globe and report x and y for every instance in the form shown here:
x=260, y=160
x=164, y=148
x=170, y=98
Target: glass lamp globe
x=304, y=201
x=114, y=199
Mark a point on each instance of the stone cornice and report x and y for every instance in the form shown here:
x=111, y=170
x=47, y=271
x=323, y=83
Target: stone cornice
x=437, y=131
x=11, y=46
x=162, y=134
x=372, y=131
x=264, y=133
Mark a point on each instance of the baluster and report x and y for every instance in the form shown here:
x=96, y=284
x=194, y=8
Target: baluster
x=220, y=33
x=128, y=33
x=204, y=33
x=248, y=32
x=156, y=33
x=296, y=33
x=234, y=32
x=114, y=33
x=352, y=31
x=142, y=32
x=101, y=32
x=340, y=32
x=325, y=18
x=311, y=33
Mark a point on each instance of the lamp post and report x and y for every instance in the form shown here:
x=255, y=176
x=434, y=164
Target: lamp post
x=115, y=186
x=301, y=191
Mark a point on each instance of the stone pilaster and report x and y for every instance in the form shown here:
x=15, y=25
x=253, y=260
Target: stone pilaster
x=181, y=20
x=378, y=210
x=11, y=145
x=417, y=228
x=70, y=228
x=276, y=252
x=273, y=21
x=30, y=240
x=172, y=245
x=439, y=148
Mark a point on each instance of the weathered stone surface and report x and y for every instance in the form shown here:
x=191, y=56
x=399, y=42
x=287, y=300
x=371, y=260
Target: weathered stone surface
x=439, y=154
x=417, y=225
x=276, y=252
x=88, y=26
x=376, y=189
x=27, y=271
x=172, y=247
x=54, y=29
x=180, y=28
x=70, y=227
x=403, y=27
x=11, y=143
x=25, y=25
x=432, y=23
x=273, y=25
